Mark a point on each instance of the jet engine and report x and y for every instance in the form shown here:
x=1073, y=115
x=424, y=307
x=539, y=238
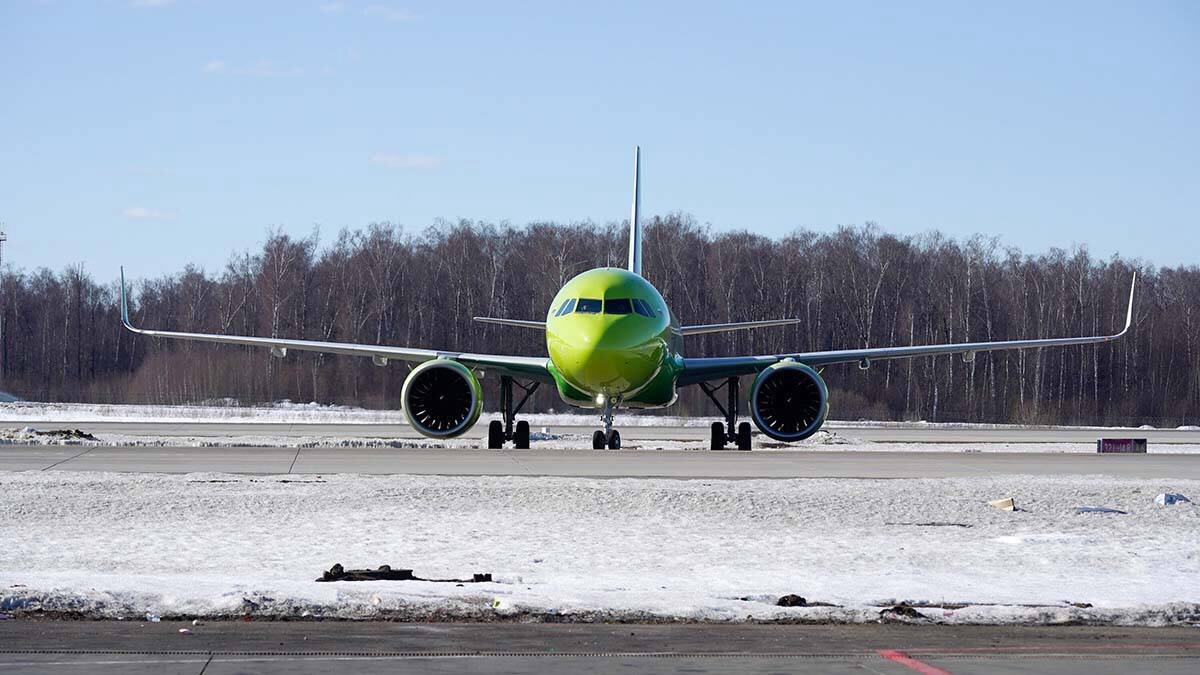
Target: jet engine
x=441, y=398
x=789, y=401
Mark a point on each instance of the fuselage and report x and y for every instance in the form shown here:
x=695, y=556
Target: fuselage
x=611, y=337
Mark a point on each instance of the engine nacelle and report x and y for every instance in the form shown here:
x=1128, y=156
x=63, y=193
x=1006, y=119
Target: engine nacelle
x=789, y=401
x=441, y=398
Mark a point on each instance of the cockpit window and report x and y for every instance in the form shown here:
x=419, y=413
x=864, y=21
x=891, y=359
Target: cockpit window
x=617, y=306
x=588, y=306
x=566, y=307
x=642, y=307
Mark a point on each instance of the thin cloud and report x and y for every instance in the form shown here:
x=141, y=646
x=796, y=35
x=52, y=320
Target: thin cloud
x=406, y=161
x=143, y=213
x=150, y=4
x=214, y=67
x=332, y=7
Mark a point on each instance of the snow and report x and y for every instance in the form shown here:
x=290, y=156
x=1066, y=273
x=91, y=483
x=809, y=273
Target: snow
x=824, y=441
x=26, y=419
x=227, y=411
x=282, y=412
x=215, y=545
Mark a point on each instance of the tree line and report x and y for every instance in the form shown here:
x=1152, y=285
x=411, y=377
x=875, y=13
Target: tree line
x=854, y=287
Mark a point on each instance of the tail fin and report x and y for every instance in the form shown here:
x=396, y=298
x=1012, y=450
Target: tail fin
x=635, y=226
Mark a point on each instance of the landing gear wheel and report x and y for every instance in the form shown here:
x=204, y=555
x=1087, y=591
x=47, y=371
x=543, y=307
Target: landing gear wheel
x=718, y=436
x=521, y=435
x=495, y=435
x=743, y=436
x=614, y=440
x=598, y=440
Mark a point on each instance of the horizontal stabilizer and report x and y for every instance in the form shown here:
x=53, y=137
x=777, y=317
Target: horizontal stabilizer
x=743, y=325
x=540, y=325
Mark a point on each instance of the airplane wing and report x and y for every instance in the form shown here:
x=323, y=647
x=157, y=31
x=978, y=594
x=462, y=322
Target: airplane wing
x=520, y=323
x=741, y=325
x=529, y=367
x=702, y=369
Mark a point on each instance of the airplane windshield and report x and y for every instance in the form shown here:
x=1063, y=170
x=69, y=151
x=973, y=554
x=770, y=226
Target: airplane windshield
x=617, y=306
x=642, y=307
x=567, y=306
x=588, y=306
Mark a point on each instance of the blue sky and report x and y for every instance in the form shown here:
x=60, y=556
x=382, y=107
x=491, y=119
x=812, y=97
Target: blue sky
x=156, y=133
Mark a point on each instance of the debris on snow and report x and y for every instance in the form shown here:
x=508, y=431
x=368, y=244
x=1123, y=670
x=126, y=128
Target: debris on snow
x=901, y=612
x=386, y=573
x=1169, y=498
x=791, y=600
x=51, y=437
x=1099, y=509
x=383, y=573
x=1006, y=504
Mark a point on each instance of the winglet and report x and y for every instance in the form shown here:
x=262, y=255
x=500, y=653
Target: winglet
x=125, y=304
x=1129, y=312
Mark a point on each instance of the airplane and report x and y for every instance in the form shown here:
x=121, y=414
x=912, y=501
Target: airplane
x=612, y=342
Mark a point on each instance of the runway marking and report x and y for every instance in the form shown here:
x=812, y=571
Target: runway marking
x=909, y=662
x=69, y=458
x=1037, y=650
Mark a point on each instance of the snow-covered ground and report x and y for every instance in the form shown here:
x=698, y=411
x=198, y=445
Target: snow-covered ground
x=824, y=441
x=20, y=424
x=122, y=545
x=315, y=413
x=279, y=413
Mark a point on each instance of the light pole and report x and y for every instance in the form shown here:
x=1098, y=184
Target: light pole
x=3, y=297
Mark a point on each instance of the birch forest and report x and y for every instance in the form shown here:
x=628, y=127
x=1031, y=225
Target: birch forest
x=853, y=287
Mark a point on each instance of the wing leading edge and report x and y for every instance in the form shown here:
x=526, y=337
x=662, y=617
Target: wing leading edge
x=741, y=325
x=702, y=369
x=531, y=367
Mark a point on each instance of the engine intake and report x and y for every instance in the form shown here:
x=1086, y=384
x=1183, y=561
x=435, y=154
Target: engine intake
x=789, y=401
x=441, y=398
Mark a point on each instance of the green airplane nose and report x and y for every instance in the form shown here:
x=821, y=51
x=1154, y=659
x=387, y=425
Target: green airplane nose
x=608, y=361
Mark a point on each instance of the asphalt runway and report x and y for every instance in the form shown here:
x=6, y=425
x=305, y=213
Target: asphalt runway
x=309, y=647
x=870, y=433
x=590, y=463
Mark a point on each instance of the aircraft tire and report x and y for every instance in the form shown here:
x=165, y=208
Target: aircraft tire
x=718, y=436
x=614, y=440
x=743, y=436
x=598, y=440
x=495, y=435
x=521, y=436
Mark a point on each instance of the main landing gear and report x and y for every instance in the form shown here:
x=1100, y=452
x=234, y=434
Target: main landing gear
x=724, y=433
x=609, y=437
x=499, y=432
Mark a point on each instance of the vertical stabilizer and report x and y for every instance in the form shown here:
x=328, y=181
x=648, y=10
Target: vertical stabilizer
x=635, y=226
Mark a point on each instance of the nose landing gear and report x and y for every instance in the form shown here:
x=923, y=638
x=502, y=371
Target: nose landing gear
x=723, y=433
x=499, y=432
x=609, y=437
